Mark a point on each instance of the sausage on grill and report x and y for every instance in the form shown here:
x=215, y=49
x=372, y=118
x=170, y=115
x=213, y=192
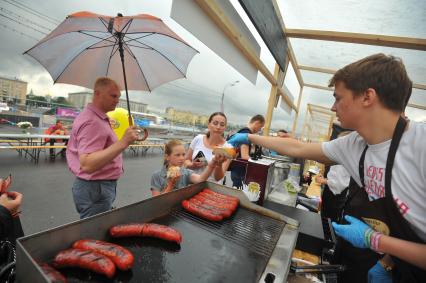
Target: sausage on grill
x=215, y=202
x=89, y=260
x=53, y=275
x=222, y=211
x=122, y=257
x=146, y=230
x=218, y=199
x=207, y=190
x=201, y=212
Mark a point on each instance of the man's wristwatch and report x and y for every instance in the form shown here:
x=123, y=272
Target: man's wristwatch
x=386, y=266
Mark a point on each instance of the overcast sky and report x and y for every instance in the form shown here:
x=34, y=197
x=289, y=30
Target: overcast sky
x=207, y=73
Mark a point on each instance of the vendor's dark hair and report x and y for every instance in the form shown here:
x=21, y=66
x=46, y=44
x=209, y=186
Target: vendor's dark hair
x=385, y=74
x=211, y=119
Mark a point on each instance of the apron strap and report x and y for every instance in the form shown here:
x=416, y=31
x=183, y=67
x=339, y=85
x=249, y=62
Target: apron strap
x=396, y=138
x=361, y=167
x=397, y=135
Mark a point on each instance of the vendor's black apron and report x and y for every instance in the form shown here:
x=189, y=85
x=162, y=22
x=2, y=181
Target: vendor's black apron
x=386, y=211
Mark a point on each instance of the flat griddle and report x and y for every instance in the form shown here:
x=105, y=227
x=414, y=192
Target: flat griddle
x=238, y=249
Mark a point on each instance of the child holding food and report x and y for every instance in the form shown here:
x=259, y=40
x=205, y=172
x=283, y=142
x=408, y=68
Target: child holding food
x=173, y=175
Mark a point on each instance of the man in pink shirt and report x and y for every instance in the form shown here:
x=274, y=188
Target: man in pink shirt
x=94, y=152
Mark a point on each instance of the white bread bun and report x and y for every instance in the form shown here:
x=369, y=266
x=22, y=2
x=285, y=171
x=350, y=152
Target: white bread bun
x=173, y=171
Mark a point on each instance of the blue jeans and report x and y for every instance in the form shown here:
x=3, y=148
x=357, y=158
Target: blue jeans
x=93, y=197
x=237, y=176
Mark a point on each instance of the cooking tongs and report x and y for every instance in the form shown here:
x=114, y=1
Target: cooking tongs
x=319, y=268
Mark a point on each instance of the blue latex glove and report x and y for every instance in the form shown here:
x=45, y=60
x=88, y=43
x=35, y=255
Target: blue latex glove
x=354, y=232
x=239, y=139
x=377, y=274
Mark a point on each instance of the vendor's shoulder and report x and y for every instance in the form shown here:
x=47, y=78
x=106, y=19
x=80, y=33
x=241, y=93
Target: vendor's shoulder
x=418, y=128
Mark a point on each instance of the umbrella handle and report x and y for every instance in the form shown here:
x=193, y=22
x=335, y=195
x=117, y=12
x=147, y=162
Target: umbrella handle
x=145, y=134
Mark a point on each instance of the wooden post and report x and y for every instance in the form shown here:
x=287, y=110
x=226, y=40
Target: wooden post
x=293, y=131
x=271, y=102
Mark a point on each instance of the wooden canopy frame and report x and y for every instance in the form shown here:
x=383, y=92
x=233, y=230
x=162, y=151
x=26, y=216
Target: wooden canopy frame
x=277, y=79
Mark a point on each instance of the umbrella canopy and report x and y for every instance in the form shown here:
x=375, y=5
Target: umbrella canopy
x=86, y=46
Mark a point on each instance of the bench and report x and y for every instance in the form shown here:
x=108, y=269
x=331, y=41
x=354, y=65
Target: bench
x=144, y=147
x=32, y=150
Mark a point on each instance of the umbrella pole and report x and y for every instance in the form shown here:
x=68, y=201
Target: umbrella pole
x=121, y=50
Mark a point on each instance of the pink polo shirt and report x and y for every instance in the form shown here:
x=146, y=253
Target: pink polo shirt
x=91, y=132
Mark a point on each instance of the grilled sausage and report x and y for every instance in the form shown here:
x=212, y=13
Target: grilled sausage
x=52, y=274
x=89, y=260
x=209, y=201
x=218, y=199
x=146, y=230
x=222, y=211
x=207, y=190
x=201, y=212
x=122, y=257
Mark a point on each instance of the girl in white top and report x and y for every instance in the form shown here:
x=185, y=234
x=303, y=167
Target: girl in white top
x=205, y=144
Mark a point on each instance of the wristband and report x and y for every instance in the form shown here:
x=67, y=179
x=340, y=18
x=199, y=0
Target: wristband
x=374, y=241
x=367, y=237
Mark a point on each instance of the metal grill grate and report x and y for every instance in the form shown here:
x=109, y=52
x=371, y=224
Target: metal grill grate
x=251, y=230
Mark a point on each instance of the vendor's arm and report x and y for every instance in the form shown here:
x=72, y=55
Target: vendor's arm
x=361, y=235
x=245, y=152
x=292, y=147
x=411, y=252
x=90, y=162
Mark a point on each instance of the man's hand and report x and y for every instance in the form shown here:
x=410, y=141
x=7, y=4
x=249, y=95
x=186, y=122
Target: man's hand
x=12, y=201
x=239, y=139
x=355, y=232
x=130, y=135
x=378, y=274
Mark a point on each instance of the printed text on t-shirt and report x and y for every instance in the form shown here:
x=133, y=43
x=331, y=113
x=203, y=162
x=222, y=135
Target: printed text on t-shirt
x=374, y=186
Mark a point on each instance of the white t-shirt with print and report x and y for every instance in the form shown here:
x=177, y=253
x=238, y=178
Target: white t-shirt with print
x=197, y=145
x=338, y=179
x=408, y=175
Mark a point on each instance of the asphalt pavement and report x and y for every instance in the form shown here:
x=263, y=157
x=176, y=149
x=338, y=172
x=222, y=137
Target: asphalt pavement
x=47, y=192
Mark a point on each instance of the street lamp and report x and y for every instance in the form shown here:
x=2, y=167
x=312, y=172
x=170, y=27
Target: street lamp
x=223, y=94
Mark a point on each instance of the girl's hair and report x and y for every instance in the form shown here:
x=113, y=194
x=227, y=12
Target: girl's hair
x=211, y=119
x=168, y=148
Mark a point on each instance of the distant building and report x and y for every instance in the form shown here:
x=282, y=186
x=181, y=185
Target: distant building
x=81, y=99
x=13, y=90
x=186, y=117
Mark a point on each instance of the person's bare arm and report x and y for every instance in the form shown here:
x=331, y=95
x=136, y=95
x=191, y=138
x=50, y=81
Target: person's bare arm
x=91, y=162
x=219, y=171
x=292, y=147
x=244, y=151
x=195, y=178
x=169, y=186
x=188, y=158
x=411, y=252
x=192, y=164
